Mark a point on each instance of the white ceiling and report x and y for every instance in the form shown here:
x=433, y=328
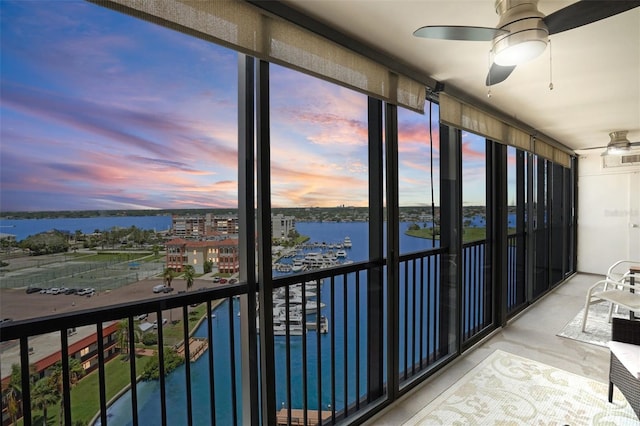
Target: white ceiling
x=596, y=68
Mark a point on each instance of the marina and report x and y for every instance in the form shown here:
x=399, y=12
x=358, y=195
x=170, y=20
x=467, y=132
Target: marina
x=313, y=255
x=332, y=327
x=291, y=314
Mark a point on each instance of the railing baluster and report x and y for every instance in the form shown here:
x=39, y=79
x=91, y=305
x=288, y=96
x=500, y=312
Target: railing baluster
x=212, y=385
x=101, y=375
x=25, y=380
x=305, y=385
x=132, y=371
x=413, y=318
x=163, y=391
x=288, y=356
x=345, y=336
x=187, y=360
x=333, y=350
x=357, y=274
x=66, y=386
x=421, y=310
x=406, y=319
x=318, y=343
x=431, y=288
x=232, y=355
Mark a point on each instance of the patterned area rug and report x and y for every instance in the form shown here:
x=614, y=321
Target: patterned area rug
x=598, y=328
x=506, y=389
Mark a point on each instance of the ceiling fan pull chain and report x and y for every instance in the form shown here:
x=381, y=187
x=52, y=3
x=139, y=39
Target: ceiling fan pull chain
x=550, y=68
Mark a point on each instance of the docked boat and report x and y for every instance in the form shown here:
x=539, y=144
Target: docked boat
x=347, y=242
x=341, y=253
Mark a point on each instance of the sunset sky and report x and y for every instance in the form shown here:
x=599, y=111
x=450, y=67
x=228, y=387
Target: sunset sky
x=100, y=110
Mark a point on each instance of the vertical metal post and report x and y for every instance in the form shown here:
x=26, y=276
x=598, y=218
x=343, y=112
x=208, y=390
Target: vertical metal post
x=375, y=296
x=521, y=208
x=247, y=240
x=393, y=249
x=265, y=293
x=451, y=310
x=132, y=371
x=497, y=249
x=101, y=374
x=531, y=229
x=25, y=381
x=66, y=386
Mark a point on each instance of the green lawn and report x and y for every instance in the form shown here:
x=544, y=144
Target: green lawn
x=85, y=401
x=470, y=234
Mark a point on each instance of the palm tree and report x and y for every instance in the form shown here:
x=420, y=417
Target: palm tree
x=168, y=276
x=189, y=272
x=44, y=395
x=76, y=371
x=122, y=334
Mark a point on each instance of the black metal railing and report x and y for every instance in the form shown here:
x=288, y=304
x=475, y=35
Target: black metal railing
x=320, y=324
x=420, y=316
x=516, y=292
x=21, y=332
x=320, y=337
x=476, y=290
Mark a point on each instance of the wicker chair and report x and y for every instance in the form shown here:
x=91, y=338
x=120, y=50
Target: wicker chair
x=625, y=331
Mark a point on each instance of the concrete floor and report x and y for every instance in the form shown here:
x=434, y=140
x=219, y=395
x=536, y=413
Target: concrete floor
x=531, y=335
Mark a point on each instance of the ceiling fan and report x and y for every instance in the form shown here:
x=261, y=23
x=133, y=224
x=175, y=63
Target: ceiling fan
x=523, y=32
x=618, y=144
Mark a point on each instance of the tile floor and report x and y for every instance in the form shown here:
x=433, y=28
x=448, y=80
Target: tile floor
x=532, y=335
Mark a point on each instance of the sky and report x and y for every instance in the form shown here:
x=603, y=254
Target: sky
x=103, y=111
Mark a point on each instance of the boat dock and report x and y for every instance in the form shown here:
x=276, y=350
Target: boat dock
x=197, y=346
x=297, y=417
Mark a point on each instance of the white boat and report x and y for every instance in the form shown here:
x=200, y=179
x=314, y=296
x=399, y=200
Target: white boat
x=297, y=265
x=341, y=253
x=347, y=242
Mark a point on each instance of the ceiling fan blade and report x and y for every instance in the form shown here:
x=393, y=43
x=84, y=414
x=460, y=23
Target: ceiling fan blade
x=498, y=74
x=586, y=12
x=454, y=32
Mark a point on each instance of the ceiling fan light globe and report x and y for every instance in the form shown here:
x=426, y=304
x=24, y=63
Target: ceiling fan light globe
x=518, y=48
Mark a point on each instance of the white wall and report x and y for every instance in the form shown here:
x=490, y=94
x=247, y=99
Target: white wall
x=608, y=214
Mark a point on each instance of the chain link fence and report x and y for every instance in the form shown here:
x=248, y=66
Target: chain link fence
x=77, y=274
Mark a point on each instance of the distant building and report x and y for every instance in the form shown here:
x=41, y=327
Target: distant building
x=221, y=225
x=203, y=226
x=84, y=350
x=223, y=254
x=7, y=237
x=281, y=225
x=188, y=226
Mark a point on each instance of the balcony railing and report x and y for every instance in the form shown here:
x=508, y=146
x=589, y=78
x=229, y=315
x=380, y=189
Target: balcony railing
x=321, y=341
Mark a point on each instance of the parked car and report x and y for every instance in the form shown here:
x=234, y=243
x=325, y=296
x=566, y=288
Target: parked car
x=161, y=288
x=164, y=321
x=216, y=280
x=86, y=292
x=223, y=280
x=233, y=281
x=71, y=291
x=141, y=317
x=31, y=290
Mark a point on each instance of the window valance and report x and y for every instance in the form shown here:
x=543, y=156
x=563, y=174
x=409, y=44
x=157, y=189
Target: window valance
x=250, y=30
x=467, y=117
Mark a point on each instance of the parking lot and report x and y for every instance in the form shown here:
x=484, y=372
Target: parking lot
x=17, y=304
